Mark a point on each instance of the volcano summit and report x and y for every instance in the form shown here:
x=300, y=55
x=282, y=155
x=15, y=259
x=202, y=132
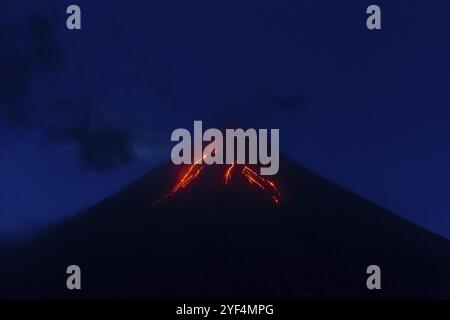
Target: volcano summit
x=228, y=240
x=235, y=143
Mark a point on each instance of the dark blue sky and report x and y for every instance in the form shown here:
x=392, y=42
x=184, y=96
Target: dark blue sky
x=82, y=113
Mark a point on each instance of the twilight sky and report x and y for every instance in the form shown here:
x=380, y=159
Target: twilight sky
x=83, y=113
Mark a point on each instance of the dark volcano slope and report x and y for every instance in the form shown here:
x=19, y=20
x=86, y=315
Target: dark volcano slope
x=215, y=241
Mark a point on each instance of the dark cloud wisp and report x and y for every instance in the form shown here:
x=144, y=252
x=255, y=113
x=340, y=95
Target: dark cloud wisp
x=30, y=54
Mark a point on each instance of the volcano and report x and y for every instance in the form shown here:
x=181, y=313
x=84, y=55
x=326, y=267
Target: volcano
x=218, y=237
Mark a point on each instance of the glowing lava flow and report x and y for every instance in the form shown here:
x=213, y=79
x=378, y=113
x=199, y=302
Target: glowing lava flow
x=262, y=183
x=227, y=176
x=250, y=175
x=255, y=179
x=192, y=173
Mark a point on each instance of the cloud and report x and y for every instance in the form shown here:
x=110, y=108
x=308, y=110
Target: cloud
x=27, y=50
x=100, y=145
x=102, y=148
x=30, y=56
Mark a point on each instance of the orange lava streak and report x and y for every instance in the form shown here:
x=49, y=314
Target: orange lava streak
x=188, y=177
x=252, y=180
x=227, y=176
x=184, y=181
x=263, y=183
x=252, y=177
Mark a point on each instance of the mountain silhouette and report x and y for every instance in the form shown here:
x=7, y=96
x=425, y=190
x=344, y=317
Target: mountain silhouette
x=212, y=240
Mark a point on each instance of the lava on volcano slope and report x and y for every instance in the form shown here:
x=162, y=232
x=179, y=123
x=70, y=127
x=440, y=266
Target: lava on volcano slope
x=191, y=172
x=262, y=183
